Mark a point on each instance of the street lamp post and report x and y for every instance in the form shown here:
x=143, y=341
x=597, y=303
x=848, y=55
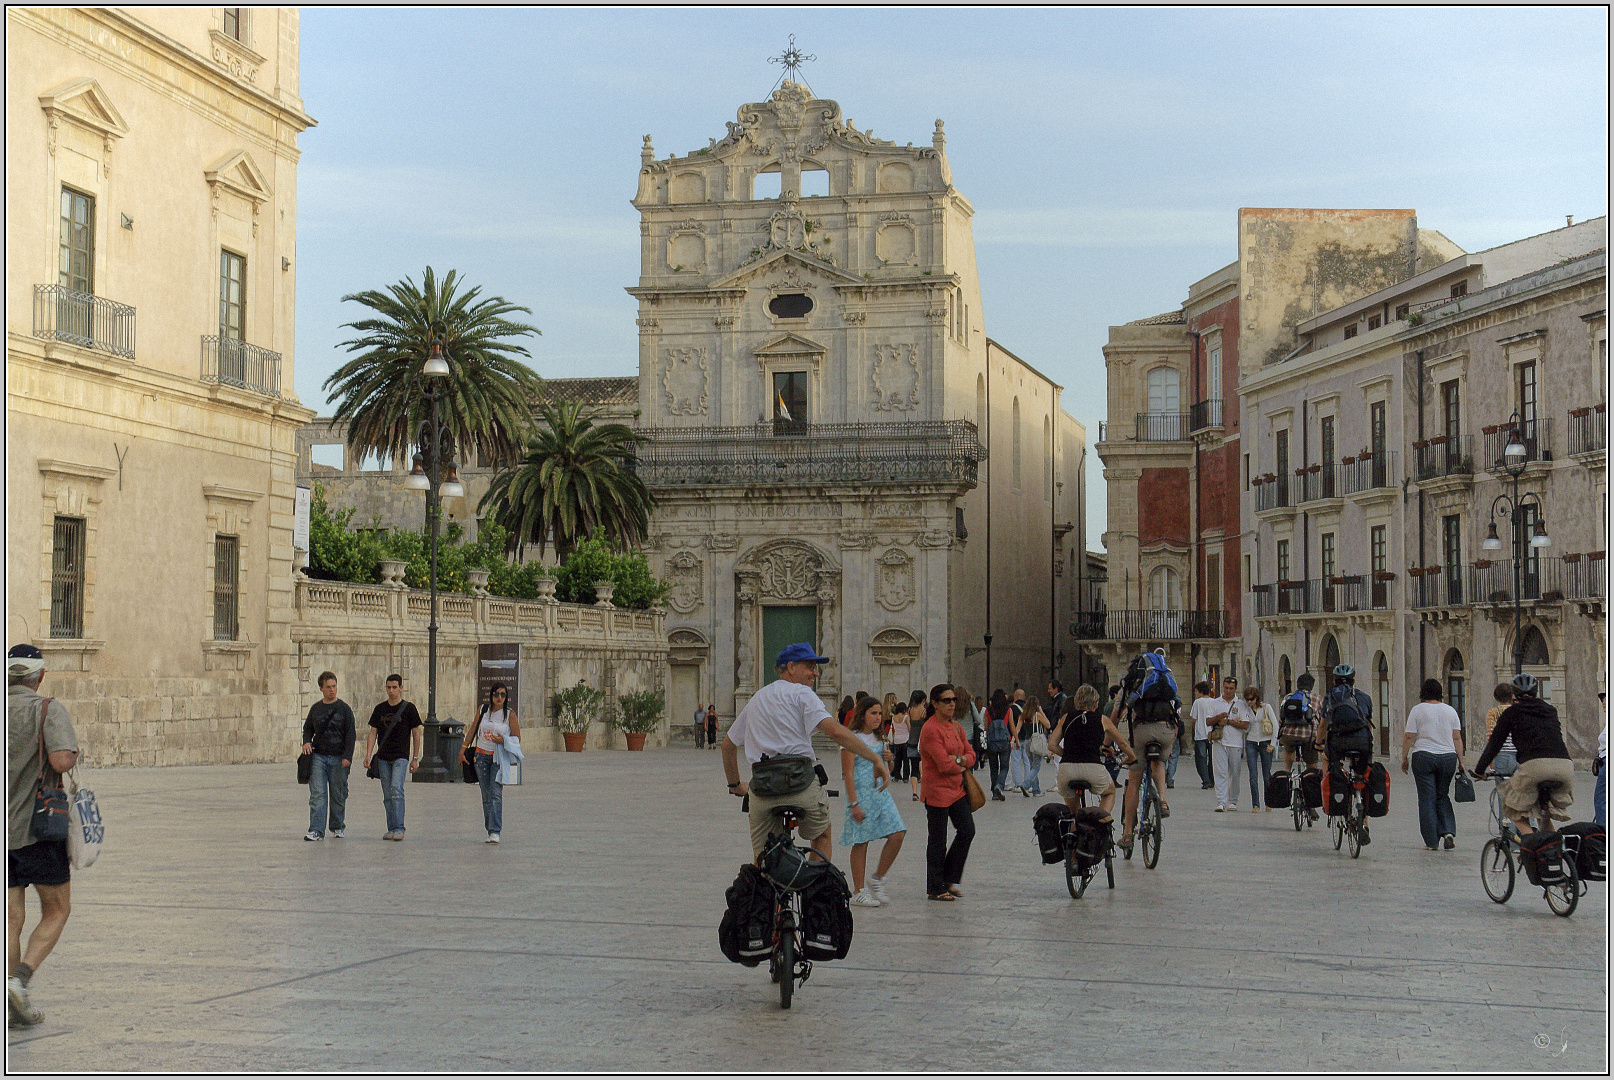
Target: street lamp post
x=434, y=473
x=1514, y=463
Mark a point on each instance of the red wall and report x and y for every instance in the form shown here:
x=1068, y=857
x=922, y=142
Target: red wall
x=1163, y=506
x=1220, y=475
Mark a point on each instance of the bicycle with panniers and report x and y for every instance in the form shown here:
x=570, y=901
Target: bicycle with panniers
x=1149, y=698
x=1356, y=787
x=1550, y=860
x=1081, y=840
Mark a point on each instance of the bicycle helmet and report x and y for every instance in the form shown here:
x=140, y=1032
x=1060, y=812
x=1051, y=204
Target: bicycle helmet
x=1526, y=684
x=1344, y=671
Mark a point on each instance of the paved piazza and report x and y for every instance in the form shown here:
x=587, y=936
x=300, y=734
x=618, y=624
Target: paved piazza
x=211, y=937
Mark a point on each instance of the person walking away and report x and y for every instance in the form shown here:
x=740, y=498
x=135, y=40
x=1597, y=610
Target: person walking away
x=329, y=733
x=495, y=724
x=1297, y=722
x=944, y=754
x=1533, y=726
x=1079, y=736
x=901, y=768
x=972, y=720
x=1507, y=759
x=1258, y=743
x=33, y=724
x=870, y=812
x=1433, y=747
x=916, y=723
x=394, y=725
x=1033, y=735
x=998, y=737
x=1202, y=733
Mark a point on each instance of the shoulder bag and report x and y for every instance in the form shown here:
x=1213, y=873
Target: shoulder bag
x=468, y=751
x=1462, y=789
x=373, y=770
x=1267, y=726
x=305, y=768
x=86, y=829
x=50, y=804
x=972, y=788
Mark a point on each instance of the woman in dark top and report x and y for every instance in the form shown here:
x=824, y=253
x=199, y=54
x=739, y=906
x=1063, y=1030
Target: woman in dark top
x=1080, y=736
x=711, y=725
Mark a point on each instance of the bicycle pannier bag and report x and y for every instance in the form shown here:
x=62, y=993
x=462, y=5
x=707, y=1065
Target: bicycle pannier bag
x=1089, y=836
x=1592, y=861
x=1311, y=788
x=791, y=867
x=1378, y=790
x=1336, y=785
x=826, y=916
x=746, y=933
x=1278, y=793
x=782, y=774
x=1049, y=825
x=1542, y=854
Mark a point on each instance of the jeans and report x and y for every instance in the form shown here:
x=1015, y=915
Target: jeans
x=899, y=763
x=1171, y=762
x=1227, y=763
x=1433, y=774
x=1033, y=767
x=327, y=786
x=999, y=760
x=1505, y=765
x=487, y=777
x=944, y=865
x=393, y=774
x=1258, y=752
x=1600, y=794
x=1202, y=763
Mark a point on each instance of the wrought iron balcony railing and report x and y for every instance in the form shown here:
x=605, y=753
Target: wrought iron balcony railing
x=1535, y=436
x=1446, y=457
x=1323, y=483
x=1573, y=577
x=1205, y=414
x=1588, y=430
x=1272, y=494
x=63, y=314
x=945, y=451
x=1161, y=427
x=235, y=363
x=1369, y=473
x=1150, y=624
x=1439, y=586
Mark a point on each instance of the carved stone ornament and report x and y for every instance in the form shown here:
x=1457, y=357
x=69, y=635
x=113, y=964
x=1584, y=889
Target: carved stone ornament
x=787, y=231
x=895, y=376
x=852, y=540
x=790, y=570
x=683, y=381
x=855, y=318
x=935, y=538
x=649, y=326
x=685, y=645
x=896, y=586
x=894, y=647
x=688, y=578
x=723, y=542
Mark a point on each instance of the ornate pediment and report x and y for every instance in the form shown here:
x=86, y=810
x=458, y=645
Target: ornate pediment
x=789, y=570
x=84, y=102
x=237, y=172
x=788, y=345
x=789, y=262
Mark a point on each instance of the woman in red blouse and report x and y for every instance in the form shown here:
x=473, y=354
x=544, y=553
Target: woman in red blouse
x=944, y=754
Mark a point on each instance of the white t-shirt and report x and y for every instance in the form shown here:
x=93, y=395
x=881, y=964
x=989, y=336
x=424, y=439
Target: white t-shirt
x=1202, y=710
x=1433, y=722
x=1232, y=737
x=492, y=722
x=779, y=719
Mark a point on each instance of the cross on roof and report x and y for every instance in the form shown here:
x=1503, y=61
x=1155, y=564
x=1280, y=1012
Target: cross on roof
x=792, y=59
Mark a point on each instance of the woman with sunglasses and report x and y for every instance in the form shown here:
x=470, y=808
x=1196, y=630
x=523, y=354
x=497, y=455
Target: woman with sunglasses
x=495, y=723
x=944, y=754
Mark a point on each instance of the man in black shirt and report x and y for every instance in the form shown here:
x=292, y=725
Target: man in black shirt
x=392, y=722
x=328, y=734
x=1541, y=752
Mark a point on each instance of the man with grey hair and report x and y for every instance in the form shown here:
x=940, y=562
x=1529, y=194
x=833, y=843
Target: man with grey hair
x=34, y=723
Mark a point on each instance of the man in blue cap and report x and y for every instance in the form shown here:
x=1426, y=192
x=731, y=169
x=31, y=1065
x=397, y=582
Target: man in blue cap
x=776, y=728
x=33, y=723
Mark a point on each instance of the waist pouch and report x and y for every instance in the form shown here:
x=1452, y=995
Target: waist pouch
x=782, y=774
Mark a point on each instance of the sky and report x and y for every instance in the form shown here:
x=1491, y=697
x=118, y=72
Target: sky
x=1106, y=151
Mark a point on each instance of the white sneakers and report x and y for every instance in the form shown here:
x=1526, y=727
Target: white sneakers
x=22, y=1013
x=312, y=835
x=877, y=890
x=493, y=838
x=864, y=898
x=338, y=833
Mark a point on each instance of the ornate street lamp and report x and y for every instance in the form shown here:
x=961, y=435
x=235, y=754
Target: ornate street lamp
x=434, y=473
x=1513, y=505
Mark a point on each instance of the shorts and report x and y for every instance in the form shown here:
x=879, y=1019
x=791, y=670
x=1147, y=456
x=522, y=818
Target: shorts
x=1095, y=774
x=1519, y=792
x=1144, y=734
x=814, y=823
x=41, y=863
x=1307, y=748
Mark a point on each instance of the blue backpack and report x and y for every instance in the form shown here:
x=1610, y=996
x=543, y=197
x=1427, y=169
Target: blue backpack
x=1151, y=692
x=1345, y=716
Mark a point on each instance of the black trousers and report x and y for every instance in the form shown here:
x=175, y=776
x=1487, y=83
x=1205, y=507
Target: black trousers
x=944, y=865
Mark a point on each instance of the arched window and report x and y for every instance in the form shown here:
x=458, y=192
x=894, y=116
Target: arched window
x=1164, y=591
x=1330, y=655
x=1014, y=427
x=1165, y=390
x=1456, y=682
x=1285, y=675
x=1533, y=648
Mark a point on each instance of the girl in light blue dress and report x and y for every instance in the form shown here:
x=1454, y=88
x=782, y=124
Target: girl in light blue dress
x=870, y=812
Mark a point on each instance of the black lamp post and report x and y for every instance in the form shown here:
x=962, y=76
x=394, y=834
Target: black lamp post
x=435, y=474
x=1514, y=461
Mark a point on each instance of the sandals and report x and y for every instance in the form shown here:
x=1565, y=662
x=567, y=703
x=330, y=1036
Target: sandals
x=943, y=896
x=955, y=890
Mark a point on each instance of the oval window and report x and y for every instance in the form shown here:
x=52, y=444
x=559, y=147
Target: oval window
x=791, y=305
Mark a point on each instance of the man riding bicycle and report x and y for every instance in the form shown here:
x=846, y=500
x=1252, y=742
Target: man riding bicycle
x=1152, y=722
x=1538, y=737
x=776, y=728
x=1346, y=728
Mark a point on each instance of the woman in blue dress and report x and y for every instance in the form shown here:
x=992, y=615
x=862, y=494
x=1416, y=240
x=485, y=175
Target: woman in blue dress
x=870, y=812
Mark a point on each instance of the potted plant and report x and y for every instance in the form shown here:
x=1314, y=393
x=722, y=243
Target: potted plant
x=638, y=714
x=1314, y=468
x=1583, y=411
x=1384, y=575
x=1416, y=571
x=1595, y=555
x=1482, y=564
x=575, y=709
x=1419, y=444
x=1437, y=440
x=1572, y=557
x=1349, y=459
x=1491, y=429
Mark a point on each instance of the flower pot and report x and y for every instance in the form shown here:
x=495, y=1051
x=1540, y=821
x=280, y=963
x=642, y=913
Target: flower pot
x=575, y=741
x=602, y=593
x=392, y=571
x=1384, y=575
x=636, y=740
x=1491, y=429
x=479, y=581
x=546, y=589
x=1572, y=557
x=1482, y=564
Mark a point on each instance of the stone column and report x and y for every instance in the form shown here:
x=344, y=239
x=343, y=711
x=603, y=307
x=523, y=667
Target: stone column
x=829, y=592
x=745, y=622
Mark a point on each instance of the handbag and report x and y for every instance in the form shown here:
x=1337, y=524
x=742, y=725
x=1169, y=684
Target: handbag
x=373, y=770
x=972, y=789
x=1038, y=744
x=1266, y=720
x=50, y=804
x=1462, y=786
x=468, y=764
x=305, y=768
x=86, y=829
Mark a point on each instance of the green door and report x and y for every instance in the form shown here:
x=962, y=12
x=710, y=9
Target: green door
x=783, y=626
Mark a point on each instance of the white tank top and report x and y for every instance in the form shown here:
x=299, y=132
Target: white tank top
x=492, y=722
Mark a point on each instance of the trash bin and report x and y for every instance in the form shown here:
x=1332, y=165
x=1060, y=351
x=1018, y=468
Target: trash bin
x=450, y=734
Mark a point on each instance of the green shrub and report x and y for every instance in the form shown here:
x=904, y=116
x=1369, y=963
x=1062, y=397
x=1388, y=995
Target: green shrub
x=640, y=711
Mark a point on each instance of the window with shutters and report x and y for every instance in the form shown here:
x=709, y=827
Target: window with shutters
x=226, y=587
x=67, y=578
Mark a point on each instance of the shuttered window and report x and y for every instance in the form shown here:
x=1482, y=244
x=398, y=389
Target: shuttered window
x=226, y=587
x=67, y=578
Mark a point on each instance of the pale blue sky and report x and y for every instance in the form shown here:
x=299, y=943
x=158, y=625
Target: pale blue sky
x=1106, y=152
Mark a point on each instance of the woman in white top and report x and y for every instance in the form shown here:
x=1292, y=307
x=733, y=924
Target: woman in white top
x=1258, y=740
x=494, y=724
x=1434, y=743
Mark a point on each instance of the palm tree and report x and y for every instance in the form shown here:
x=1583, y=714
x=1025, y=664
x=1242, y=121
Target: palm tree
x=575, y=478
x=487, y=399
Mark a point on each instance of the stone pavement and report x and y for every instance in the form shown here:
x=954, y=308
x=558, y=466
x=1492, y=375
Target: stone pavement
x=211, y=937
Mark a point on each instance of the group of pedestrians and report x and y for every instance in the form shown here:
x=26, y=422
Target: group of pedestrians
x=706, y=726
x=392, y=749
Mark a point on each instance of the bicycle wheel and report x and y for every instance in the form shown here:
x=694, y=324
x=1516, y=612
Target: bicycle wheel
x=1564, y=897
x=1109, y=865
x=787, y=968
x=1075, y=881
x=1297, y=810
x=1149, y=831
x=1337, y=823
x=1353, y=825
x=1496, y=870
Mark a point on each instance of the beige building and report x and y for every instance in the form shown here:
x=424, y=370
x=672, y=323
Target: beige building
x=152, y=177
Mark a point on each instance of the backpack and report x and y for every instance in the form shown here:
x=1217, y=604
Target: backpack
x=1048, y=823
x=1150, y=691
x=1591, y=860
x=997, y=732
x=826, y=916
x=1542, y=854
x=746, y=933
x=1378, y=790
x=1344, y=716
x=1293, y=720
x=1278, y=793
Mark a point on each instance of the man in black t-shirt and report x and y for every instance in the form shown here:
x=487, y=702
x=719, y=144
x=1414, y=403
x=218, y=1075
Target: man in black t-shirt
x=328, y=735
x=396, y=724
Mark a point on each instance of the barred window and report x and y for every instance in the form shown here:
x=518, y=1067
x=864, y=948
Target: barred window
x=226, y=587
x=67, y=578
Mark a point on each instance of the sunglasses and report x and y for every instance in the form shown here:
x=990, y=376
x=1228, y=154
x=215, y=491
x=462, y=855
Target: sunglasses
x=946, y=700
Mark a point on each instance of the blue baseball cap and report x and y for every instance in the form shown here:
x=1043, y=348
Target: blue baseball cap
x=802, y=650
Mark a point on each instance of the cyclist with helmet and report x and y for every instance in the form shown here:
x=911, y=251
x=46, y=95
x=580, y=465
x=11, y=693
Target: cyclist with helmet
x=1539, y=740
x=1347, y=721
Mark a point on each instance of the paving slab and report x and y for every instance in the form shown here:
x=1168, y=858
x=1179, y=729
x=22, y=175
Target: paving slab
x=211, y=937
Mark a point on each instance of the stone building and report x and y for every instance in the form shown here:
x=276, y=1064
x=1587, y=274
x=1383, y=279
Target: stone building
x=152, y=173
